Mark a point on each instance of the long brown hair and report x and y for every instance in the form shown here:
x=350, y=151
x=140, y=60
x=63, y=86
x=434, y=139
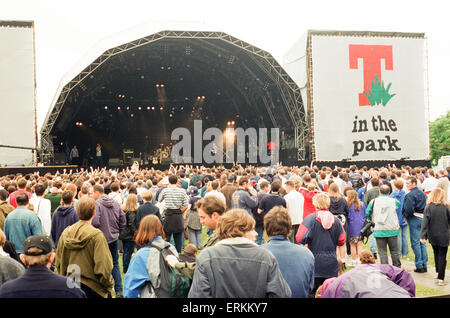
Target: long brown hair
x=333, y=190
x=149, y=228
x=352, y=197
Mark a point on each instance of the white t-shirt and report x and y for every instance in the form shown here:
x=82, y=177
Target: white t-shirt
x=294, y=205
x=43, y=207
x=216, y=194
x=429, y=184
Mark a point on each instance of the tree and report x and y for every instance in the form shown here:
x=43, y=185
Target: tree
x=440, y=138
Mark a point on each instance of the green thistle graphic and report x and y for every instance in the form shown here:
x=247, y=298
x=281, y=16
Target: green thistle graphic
x=377, y=93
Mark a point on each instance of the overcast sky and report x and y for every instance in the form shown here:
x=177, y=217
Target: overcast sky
x=66, y=30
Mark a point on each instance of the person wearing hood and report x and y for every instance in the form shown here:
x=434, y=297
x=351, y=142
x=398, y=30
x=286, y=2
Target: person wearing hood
x=340, y=208
x=322, y=232
x=84, y=245
x=371, y=280
x=110, y=219
x=65, y=215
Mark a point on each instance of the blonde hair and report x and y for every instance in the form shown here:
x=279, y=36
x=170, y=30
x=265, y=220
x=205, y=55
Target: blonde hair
x=131, y=204
x=2, y=238
x=147, y=196
x=234, y=223
x=437, y=196
x=321, y=201
x=333, y=190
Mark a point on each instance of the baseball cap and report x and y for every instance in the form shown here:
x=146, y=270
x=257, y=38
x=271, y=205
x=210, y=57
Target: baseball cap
x=43, y=242
x=193, y=191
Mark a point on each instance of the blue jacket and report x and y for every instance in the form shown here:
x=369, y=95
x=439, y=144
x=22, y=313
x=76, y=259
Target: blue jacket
x=400, y=196
x=63, y=217
x=322, y=243
x=40, y=282
x=415, y=201
x=20, y=224
x=296, y=264
x=138, y=271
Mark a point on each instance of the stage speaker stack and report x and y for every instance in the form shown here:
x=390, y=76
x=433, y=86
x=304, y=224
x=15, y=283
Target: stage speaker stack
x=114, y=162
x=60, y=158
x=128, y=155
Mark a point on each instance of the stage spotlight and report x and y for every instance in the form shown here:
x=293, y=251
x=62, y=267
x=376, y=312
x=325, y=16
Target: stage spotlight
x=203, y=97
x=162, y=85
x=118, y=107
x=232, y=122
x=106, y=107
x=132, y=115
x=198, y=97
x=148, y=107
x=157, y=85
x=229, y=123
x=128, y=108
x=139, y=107
x=169, y=68
x=161, y=108
x=170, y=115
x=162, y=67
x=153, y=108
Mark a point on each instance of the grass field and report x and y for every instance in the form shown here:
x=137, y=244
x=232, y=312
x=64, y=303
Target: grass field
x=421, y=291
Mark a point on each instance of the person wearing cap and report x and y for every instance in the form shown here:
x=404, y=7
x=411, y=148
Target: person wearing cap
x=39, y=281
x=86, y=246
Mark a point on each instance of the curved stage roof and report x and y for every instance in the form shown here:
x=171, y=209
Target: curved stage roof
x=134, y=88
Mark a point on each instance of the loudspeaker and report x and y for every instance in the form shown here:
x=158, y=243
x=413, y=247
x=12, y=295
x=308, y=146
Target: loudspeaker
x=166, y=161
x=60, y=158
x=114, y=162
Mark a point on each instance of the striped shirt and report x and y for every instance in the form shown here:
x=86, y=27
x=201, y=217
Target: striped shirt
x=174, y=197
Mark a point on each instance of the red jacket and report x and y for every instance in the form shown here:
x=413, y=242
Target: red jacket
x=13, y=196
x=308, y=206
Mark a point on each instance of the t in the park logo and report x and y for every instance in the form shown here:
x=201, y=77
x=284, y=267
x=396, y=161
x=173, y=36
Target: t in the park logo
x=375, y=93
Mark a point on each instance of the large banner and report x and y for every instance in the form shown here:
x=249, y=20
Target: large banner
x=17, y=93
x=369, y=97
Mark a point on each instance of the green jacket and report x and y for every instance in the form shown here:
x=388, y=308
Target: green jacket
x=55, y=200
x=84, y=245
x=188, y=268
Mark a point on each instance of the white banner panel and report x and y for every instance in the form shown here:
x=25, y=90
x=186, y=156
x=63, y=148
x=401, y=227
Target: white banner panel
x=17, y=94
x=369, y=98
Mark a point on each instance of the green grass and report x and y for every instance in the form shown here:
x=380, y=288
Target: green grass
x=424, y=291
x=411, y=254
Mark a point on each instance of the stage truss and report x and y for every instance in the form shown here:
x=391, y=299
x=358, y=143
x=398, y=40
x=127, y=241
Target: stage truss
x=289, y=91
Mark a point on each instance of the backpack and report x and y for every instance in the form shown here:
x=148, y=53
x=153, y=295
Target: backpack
x=368, y=227
x=173, y=283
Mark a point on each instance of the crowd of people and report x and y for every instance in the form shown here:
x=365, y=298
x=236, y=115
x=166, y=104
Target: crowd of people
x=241, y=232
